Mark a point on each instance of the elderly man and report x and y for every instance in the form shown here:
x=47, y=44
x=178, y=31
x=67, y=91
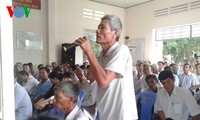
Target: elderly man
x=174, y=102
x=113, y=71
x=66, y=96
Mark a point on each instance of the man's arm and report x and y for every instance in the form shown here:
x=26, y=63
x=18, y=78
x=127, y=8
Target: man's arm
x=158, y=106
x=196, y=117
x=102, y=76
x=161, y=115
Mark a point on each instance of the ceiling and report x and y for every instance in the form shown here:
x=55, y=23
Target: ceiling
x=122, y=3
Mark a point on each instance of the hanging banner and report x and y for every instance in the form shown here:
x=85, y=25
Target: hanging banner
x=36, y=4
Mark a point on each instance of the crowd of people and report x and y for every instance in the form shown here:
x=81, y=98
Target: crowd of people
x=105, y=88
x=42, y=90
x=177, y=90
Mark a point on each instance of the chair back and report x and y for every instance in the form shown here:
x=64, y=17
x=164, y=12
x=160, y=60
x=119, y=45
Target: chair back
x=57, y=113
x=81, y=97
x=146, y=100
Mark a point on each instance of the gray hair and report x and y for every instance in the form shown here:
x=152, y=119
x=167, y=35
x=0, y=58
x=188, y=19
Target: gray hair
x=69, y=88
x=154, y=66
x=115, y=24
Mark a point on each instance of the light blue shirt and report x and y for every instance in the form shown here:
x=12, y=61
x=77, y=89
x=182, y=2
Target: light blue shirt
x=42, y=89
x=188, y=80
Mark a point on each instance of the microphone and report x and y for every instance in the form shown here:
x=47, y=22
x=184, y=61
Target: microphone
x=69, y=47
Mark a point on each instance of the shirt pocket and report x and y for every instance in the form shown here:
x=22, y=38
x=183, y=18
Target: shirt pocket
x=177, y=108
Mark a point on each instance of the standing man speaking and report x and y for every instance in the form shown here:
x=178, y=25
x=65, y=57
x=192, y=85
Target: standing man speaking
x=112, y=72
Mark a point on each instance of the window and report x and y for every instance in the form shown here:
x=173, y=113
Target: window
x=92, y=36
x=178, y=43
x=196, y=30
x=177, y=32
x=29, y=41
x=92, y=14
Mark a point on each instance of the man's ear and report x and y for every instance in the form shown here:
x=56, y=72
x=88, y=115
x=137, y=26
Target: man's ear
x=115, y=32
x=71, y=99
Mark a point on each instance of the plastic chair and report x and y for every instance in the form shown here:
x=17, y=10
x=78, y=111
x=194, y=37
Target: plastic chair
x=57, y=113
x=146, y=100
x=81, y=96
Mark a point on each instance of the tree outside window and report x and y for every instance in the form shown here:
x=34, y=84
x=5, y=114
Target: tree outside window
x=92, y=36
x=181, y=51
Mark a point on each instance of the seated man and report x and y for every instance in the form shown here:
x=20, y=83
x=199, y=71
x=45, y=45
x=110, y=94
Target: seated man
x=55, y=77
x=43, y=87
x=152, y=82
x=66, y=96
x=174, y=102
x=23, y=105
x=28, y=82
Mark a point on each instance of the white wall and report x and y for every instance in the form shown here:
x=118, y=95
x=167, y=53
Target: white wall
x=36, y=22
x=140, y=22
x=69, y=22
x=6, y=63
x=60, y=21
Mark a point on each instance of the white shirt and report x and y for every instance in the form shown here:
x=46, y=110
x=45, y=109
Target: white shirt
x=90, y=96
x=30, y=85
x=198, y=77
x=143, y=85
x=117, y=101
x=23, y=104
x=178, y=105
x=84, y=83
x=176, y=80
x=76, y=114
x=188, y=80
x=138, y=84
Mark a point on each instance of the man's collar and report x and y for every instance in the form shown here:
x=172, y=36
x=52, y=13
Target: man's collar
x=73, y=113
x=111, y=48
x=189, y=73
x=173, y=91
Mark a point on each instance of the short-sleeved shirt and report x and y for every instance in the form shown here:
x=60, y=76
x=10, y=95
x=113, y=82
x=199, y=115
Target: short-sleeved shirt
x=178, y=105
x=117, y=101
x=188, y=81
x=30, y=85
x=90, y=96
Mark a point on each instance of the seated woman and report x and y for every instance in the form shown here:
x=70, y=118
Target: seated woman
x=152, y=82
